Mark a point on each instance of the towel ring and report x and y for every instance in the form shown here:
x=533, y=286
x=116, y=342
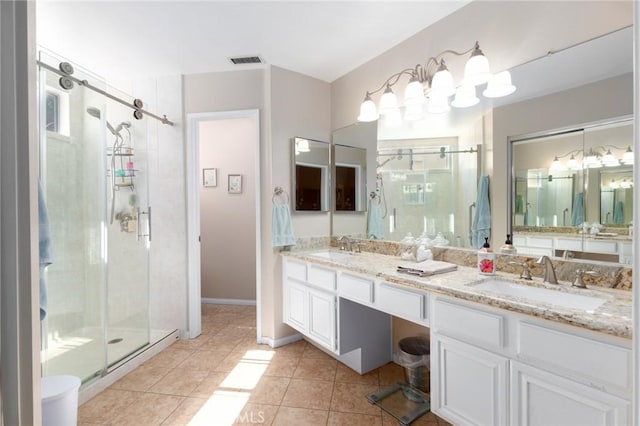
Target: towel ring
x=280, y=193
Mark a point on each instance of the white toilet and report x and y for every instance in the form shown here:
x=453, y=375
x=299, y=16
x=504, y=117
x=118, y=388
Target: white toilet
x=60, y=400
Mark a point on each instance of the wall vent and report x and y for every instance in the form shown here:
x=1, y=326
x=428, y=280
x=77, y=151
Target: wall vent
x=242, y=60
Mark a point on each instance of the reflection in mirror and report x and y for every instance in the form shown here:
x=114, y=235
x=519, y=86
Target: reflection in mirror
x=350, y=178
x=354, y=145
x=311, y=175
x=548, y=196
x=616, y=196
x=572, y=187
x=424, y=185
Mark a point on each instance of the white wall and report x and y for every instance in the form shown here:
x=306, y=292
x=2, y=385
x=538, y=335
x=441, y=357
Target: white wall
x=227, y=221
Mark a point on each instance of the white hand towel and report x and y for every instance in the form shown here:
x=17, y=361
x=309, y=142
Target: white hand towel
x=281, y=229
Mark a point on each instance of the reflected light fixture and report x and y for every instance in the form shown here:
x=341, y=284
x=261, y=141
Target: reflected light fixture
x=436, y=81
x=596, y=157
x=302, y=145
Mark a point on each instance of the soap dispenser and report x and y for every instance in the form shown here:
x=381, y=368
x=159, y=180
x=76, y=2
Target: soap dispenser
x=508, y=247
x=486, y=259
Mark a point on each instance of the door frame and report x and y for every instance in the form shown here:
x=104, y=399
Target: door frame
x=194, y=297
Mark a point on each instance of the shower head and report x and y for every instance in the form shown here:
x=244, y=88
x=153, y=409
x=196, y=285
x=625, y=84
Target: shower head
x=95, y=112
x=123, y=125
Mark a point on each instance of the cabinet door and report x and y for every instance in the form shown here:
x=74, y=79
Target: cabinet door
x=541, y=398
x=296, y=305
x=322, y=318
x=468, y=384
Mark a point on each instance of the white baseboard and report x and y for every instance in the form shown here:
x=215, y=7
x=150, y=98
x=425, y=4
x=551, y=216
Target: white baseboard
x=281, y=342
x=243, y=302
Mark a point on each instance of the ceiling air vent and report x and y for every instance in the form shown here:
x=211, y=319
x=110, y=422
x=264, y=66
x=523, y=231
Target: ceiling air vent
x=242, y=60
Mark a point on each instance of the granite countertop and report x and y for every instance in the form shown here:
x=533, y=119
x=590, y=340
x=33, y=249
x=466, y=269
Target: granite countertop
x=613, y=317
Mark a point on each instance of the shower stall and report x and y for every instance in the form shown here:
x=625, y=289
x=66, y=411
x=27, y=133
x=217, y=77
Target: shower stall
x=94, y=177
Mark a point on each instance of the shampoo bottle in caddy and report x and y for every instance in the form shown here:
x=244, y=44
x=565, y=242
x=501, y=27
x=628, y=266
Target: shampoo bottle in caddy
x=486, y=259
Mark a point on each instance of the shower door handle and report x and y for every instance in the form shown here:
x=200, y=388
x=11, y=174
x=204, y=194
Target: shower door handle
x=148, y=234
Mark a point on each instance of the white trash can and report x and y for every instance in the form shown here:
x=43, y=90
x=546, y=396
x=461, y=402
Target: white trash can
x=60, y=400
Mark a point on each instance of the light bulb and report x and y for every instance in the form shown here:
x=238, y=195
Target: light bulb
x=627, y=157
x=572, y=164
x=388, y=102
x=465, y=96
x=414, y=92
x=442, y=82
x=368, y=110
x=555, y=165
x=609, y=160
x=499, y=85
x=438, y=105
x=476, y=70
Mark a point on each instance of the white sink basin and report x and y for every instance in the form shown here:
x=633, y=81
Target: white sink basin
x=544, y=295
x=332, y=255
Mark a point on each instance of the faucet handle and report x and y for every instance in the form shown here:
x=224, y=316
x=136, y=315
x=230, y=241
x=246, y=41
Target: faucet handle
x=526, y=273
x=580, y=273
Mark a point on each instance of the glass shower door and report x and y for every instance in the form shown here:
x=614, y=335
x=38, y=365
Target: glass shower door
x=127, y=292
x=93, y=168
x=72, y=174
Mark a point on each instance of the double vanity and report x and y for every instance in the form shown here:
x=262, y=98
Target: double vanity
x=504, y=351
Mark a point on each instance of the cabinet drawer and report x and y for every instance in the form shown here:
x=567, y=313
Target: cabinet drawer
x=355, y=288
x=540, y=242
x=296, y=270
x=568, y=244
x=403, y=303
x=601, y=246
x=519, y=241
x=625, y=249
x=569, y=353
x=469, y=324
x=321, y=277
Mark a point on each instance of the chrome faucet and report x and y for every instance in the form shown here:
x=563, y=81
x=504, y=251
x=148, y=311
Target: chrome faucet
x=345, y=243
x=549, y=272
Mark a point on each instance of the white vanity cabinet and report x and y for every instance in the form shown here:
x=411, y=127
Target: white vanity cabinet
x=468, y=384
x=542, y=398
x=334, y=310
x=309, y=300
x=495, y=367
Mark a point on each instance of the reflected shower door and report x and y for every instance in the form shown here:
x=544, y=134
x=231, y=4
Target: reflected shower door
x=127, y=300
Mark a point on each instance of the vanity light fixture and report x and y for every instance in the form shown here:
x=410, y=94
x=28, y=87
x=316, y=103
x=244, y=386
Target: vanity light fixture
x=435, y=79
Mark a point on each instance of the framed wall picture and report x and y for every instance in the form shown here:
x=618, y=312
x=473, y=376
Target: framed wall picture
x=235, y=184
x=209, y=177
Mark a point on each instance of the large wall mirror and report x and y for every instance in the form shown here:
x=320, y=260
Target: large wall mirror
x=311, y=175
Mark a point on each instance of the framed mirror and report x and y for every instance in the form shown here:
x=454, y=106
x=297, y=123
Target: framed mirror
x=311, y=175
x=350, y=178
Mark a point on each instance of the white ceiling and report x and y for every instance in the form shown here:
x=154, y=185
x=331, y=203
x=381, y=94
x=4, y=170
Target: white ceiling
x=321, y=39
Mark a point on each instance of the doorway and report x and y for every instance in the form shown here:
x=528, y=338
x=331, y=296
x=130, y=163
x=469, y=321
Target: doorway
x=223, y=203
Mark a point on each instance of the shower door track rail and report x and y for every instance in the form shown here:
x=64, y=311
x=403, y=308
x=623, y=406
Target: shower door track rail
x=85, y=83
